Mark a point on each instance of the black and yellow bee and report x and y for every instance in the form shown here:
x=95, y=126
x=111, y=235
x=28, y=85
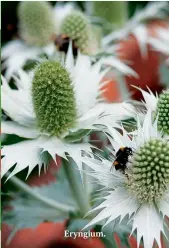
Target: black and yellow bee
x=122, y=158
x=62, y=43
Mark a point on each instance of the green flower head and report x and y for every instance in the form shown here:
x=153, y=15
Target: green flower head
x=163, y=112
x=77, y=27
x=53, y=98
x=149, y=175
x=36, y=22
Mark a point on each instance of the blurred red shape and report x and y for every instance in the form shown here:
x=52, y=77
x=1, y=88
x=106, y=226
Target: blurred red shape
x=146, y=67
x=47, y=235
x=45, y=177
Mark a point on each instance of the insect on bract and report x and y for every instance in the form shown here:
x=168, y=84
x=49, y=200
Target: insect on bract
x=122, y=157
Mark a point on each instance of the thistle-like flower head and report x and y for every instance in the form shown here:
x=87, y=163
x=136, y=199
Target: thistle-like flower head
x=159, y=106
x=54, y=107
x=149, y=176
x=141, y=190
x=53, y=98
x=36, y=22
x=162, y=111
x=77, y=27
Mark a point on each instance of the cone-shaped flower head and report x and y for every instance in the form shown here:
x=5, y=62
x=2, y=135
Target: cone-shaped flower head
x=36, y=22
x=53, y=98
x=76, y=26
x=163, y=112
x=149, y=175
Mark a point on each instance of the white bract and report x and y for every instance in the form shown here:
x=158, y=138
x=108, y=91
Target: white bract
x=150, y=99
x=137, y=26
x=61, y=10
x=92, y=113
x=159, y=106
x=161, y=42
x=142, y=191
x=16, y=53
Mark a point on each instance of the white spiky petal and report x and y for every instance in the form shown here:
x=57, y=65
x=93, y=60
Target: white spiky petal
x=149, y=12
x=148, y=223
x=18, y=105
x=161, y=41
x=16, y=53
x=61, y=10
x=137, y=26
x=150, y=99
x=119, y=201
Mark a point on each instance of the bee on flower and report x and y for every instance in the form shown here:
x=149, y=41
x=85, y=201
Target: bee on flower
x=142, y=192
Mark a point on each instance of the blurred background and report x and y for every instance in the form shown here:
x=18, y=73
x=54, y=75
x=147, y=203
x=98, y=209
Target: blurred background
x=148, y=68
x=152, y=72
x=9, y=15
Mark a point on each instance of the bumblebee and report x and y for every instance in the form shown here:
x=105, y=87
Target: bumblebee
x=62, y=44
x=122, y=157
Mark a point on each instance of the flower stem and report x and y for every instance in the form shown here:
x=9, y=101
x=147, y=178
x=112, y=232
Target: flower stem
x=76, y=187
x=86, y=185
x=49, y=202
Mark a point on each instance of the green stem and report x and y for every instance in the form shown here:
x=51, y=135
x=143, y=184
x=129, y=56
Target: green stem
x=49, y=202
x=76, y=187
x=86, y=185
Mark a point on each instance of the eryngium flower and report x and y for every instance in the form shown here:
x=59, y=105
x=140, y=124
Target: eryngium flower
x=53, y=98
x=58, y=106
x=77, y=27
x=163, y=112
x=16, y=53
x=141, y=190
x=159, y=106
x=36, y=22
